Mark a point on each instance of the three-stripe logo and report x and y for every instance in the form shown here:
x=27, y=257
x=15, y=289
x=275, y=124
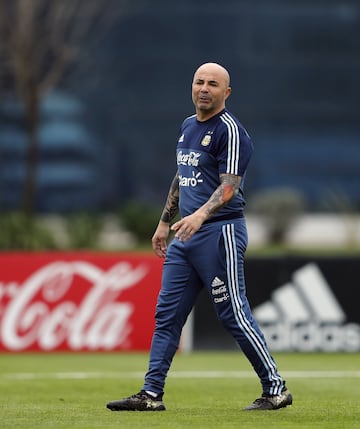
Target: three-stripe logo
x=305, y=315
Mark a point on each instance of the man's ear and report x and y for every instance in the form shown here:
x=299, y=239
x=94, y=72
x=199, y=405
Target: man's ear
x=227, y=92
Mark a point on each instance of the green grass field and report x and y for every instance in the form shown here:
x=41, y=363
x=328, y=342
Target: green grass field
x=204, y=390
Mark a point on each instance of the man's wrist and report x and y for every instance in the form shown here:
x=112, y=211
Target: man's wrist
x=203, y=214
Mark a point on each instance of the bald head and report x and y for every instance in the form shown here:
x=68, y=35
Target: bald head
x=210, y=89
x=216, y=70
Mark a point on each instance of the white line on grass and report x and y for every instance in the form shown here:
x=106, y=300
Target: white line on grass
x=174, y=374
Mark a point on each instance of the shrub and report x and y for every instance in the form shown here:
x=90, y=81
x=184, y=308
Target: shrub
x=279, y=207
x=83, y=230
x=140, y=218
x=21, y=232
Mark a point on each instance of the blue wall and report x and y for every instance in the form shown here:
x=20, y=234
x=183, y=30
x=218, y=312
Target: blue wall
x=295, y=68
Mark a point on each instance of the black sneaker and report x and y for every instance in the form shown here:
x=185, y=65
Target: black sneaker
x=141, y=401
x=272, y=402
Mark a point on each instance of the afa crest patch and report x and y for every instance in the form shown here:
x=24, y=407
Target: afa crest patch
x=206, y=140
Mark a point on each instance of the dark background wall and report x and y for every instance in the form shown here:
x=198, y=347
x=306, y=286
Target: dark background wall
x=295, y=68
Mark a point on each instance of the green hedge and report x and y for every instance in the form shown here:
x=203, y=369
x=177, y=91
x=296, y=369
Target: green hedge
x=20, y=232
x=140, y=219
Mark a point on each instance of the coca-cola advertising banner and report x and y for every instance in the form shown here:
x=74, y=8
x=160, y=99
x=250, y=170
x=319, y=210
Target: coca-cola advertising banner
x=77, y=301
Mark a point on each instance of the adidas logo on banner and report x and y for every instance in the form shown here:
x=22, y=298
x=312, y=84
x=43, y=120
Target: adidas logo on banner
x=305, y=315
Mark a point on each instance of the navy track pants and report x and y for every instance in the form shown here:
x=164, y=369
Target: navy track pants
x=212, y=258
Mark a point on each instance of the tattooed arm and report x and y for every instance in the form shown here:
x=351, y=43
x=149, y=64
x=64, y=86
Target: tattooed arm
x=228, y=188
x=172, y=202
x=171, y=209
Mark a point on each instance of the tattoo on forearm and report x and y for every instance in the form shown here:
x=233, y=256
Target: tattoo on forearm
x=228, y=188
x=172, y=202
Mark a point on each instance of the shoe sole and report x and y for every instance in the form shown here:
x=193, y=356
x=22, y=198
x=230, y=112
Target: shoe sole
x=114, y=408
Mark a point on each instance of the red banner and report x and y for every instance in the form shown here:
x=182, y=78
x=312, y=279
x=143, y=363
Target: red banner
x=77, y=301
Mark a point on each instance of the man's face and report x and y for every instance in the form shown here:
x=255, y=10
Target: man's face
x=210, y=89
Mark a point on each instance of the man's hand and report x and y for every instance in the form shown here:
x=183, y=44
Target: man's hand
x=159, y=238
x=186, y=227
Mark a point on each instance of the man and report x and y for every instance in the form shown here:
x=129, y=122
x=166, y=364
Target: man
x=210, y=240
